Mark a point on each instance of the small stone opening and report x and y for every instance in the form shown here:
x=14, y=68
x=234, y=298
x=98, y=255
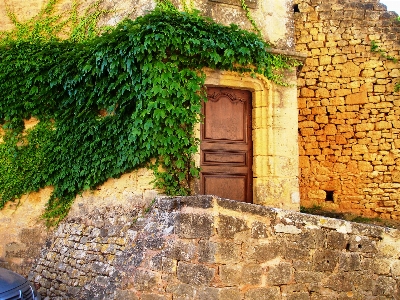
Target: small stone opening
x=296, y=8
x=329, y=196
x=348, y=247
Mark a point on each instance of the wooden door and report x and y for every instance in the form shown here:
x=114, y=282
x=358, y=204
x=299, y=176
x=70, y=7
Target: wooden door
x=226, y=145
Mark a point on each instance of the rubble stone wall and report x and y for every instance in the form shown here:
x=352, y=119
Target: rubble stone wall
x=349, y=115
x=210, y=248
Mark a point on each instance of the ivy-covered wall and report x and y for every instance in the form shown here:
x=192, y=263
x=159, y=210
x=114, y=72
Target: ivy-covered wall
x=274, y=111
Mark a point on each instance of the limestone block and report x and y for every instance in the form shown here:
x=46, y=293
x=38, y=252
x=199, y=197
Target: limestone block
x=272, y=293
x=309, y=124
x=322, y=93
x=220, y=294
x=280, y=274
x=358, y=98
x=383, y=125
x=321, y=119
x=325, y=60
x=365, y=127
x=382, y=74
x=359, y=149
x=396, y=124
x=379, y=88
x=306, y=92
x=325, y=260
x=195, y=225
x=320, y=110
x=339, y=59
x=229, y=226
x=372, y=64
x=145, y=280
x=365, y=166
x=194, y=274
x=341, y=92
x=350, y=69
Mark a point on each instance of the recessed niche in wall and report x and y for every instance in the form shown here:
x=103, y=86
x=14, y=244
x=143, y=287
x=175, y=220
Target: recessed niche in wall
x=329, y=196
x=296, y=8
x=249, y=3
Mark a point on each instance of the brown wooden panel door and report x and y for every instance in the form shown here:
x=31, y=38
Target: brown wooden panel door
x=226, y=145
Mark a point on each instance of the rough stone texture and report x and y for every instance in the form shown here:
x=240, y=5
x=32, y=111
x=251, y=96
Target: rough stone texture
x=349, y=129
x=274, y=116
x=120, y=252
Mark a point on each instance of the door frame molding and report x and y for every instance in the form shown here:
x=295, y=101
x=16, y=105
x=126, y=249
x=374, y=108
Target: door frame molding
x=262, y=132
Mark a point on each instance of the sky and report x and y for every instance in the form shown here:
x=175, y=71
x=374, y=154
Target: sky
x=392, y=5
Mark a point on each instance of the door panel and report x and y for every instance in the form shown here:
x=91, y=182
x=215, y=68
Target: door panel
x=226, y=145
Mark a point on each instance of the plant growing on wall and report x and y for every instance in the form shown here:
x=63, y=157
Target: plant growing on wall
x=109, y=104
x=375, y=48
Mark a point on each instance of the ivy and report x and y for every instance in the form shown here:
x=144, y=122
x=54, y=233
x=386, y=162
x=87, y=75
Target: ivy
x=249, y=17
x=112, y=103
x=375, y=48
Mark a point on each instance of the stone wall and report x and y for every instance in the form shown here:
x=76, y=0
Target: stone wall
x=23, y=232
x=349, y=116
x=274, y=18
x=274, y=115
x=210, y=248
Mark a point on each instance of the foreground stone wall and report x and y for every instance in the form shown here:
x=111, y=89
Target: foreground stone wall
x=349, y=116
x=211, y=248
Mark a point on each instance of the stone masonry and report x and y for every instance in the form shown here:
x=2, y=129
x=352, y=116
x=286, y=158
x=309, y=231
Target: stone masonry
x=275, y=160
x=349, y=115
x=210, y=248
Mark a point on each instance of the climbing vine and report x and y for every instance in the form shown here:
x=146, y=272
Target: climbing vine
x=249, y=17
x=111, y=103
x=375, y=48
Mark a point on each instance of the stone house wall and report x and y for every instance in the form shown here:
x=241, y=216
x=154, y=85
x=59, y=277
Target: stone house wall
x=349, y=116
x=210, y=248
x=274, y=115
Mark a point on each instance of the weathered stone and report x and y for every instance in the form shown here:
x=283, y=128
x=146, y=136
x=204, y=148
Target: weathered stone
x=266, y=252
x=259, y=230
x=230, y=275
x=181, y=250
x=194, y=274
x=299, y=296
x=336, y=240
x=195, y=225
x=153, y=297
x=182, y=291
x=362, y=244
x=325, y=260
x=349, y=262
x=280, y=274
x=125, y=294
x=294, y=252
x=341, y=282
x=229, y=226
x=228, y=252
x=220, y=294
x=201, y=201
x=207, y=251
x=384, y=286
x=144, y=280
x=251, y=274
x=272, y=293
